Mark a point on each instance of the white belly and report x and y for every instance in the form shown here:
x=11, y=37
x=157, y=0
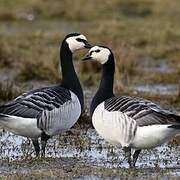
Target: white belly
x=108, y=133
x=113, y=126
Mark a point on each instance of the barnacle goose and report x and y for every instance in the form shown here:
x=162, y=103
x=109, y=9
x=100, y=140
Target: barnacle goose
x=48, y=111
x=132, y=122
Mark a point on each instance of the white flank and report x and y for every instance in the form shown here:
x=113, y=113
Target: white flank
x=152, y=136
x=21, y=126
x=115, y=127
x=59, y=120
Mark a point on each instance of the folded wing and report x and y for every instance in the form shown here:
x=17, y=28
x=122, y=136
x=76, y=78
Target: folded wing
x=143, y=111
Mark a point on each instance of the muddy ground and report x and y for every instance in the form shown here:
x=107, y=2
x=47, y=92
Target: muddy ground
x=145, y=38
x=82, y=154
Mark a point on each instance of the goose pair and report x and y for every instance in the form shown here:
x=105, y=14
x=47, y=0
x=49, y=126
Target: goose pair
x=52, y=110
x=128, y=121
x=131, y=122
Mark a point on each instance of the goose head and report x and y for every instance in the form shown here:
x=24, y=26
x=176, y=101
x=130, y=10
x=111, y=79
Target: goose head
x=99, y=53
x=76, y=41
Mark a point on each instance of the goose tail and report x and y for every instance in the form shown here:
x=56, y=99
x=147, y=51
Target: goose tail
x=175, y=126
x=3, y=117
x=175, y=118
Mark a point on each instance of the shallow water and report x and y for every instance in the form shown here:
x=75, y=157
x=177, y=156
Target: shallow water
x=167, y=89
x=153, y=65
x=87, y=148
x=83, y=146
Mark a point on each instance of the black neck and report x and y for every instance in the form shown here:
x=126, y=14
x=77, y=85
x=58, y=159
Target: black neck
x=105, y=89
x=69, y=77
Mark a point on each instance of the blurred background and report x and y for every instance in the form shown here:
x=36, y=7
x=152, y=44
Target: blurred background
x=143, y=34
x=145, y=38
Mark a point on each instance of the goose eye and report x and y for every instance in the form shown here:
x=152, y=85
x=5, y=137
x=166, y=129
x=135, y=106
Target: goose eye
x=80, y=40
x=97, y=50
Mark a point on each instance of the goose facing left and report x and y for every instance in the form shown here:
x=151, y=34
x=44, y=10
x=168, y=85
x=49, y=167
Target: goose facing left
x=133, y=123
x=48, y=111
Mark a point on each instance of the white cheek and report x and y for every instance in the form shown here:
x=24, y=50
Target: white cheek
x=80, y=45
x=75, y=46
x=102, y=58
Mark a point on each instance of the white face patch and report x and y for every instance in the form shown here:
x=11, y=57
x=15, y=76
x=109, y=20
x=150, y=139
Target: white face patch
x=100, y=54
x=74, y=44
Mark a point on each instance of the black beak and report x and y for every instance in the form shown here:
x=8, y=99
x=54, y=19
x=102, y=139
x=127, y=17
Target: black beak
x=86, y=57
x=87, y=45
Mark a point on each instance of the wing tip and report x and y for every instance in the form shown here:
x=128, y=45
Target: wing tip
x=176, y=118
x=3, y=115
x=174, y=126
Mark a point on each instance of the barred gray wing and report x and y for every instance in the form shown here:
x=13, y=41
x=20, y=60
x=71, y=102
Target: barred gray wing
x=143, y=111
x=33, y=103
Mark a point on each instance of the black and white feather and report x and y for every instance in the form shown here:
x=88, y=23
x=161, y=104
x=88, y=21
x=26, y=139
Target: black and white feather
x=130, y=122
x=143, y=111
x=134, y=122
x=51, y=110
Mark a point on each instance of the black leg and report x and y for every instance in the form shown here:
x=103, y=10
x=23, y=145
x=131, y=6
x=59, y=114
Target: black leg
x=127, y=151
x=135, y=156
x=44, y=139
x=36, y=146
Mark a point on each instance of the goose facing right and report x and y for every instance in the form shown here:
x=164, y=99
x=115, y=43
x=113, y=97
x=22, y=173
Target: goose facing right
x=131, y=122
x=48, y=111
